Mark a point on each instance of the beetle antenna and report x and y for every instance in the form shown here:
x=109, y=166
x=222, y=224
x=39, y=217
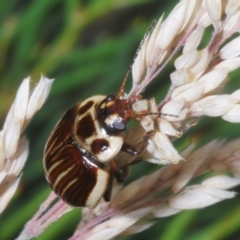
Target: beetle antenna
x=169, y=115
x=120, y=93
x=157, y=114
x=148, y=33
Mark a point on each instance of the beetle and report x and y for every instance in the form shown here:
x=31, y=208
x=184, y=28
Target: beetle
x=79, y=156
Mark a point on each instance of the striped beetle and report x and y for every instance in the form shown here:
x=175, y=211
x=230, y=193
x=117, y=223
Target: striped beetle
x=79, y=155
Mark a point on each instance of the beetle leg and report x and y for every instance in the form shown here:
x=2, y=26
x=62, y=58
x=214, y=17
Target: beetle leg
x=120, y=173
x=125, y=172
x=128, y=148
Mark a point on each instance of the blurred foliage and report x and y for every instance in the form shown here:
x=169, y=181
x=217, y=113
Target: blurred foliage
x=87, y=46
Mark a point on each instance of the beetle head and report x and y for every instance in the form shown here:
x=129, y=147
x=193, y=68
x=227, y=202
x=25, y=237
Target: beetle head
x=114, y=113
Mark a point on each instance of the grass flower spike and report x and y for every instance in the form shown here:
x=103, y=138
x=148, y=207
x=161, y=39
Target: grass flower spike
x=14, y=146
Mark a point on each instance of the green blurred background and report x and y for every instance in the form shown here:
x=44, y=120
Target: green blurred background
x=87, y=46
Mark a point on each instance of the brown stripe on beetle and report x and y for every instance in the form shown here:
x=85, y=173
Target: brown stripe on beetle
x=72, y=157
x=62, y=167
x=77, y=194
x=60, y=136
x=76, y=167
x=59, y=180
x=85, y=172
x=84, y=108
x=81, y=197
x=86, y=127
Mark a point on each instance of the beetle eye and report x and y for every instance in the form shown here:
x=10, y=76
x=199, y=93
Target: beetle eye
x=110, y=97
x=119, y=125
